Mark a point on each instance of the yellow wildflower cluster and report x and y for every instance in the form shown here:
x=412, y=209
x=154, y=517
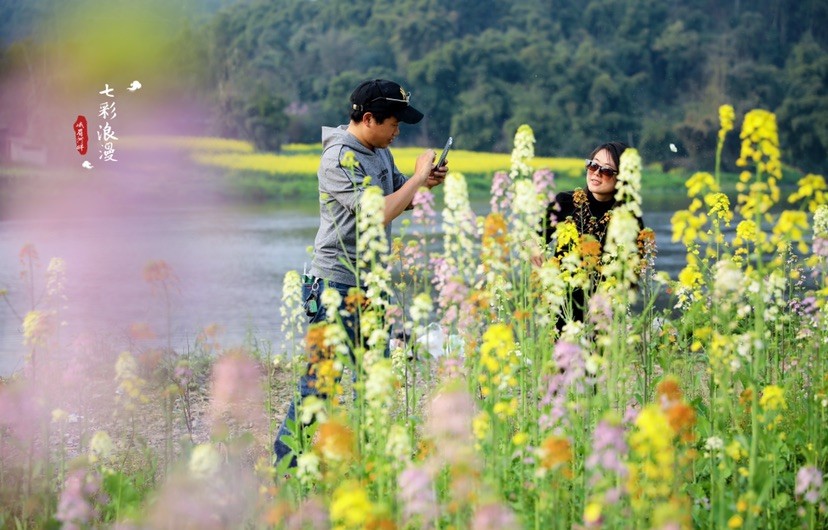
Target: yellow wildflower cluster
x=700, y=181
x=773, y=398
x=760, y=143
x=351, y=507
x=38, y=326
x=812, y=187
x=566, y=234
x=499, y=362
x=661, y=430
x=760, y=146
x=687, y=226
x=790, y=229
x=651, y=476
x=726, y=117
x=719, y=207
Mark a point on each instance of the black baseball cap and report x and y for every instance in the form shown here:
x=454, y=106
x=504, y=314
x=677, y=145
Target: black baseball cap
x=383, y=95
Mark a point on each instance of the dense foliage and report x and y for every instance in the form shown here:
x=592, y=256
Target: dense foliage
x=649, y=72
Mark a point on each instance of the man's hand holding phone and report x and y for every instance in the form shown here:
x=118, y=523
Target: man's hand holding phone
x=440, y=169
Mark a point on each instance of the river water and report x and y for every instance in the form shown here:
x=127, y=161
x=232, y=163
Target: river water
x=228, y=263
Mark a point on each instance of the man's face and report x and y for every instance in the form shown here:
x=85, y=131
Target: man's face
x=382, y=134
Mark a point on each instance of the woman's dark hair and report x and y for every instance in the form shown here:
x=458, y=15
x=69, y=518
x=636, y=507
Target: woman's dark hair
x=614, y=149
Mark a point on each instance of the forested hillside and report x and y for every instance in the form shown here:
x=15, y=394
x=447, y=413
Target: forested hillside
x=650, y=72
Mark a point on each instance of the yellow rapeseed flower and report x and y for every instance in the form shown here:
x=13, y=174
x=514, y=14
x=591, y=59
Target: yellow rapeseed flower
x=719, y=206
x=567, y=234
x=747, y=231
x=592, y=513
x=773, y=398
x=350, y=507
x=698, y=182
x=726, y=117
x=791, y=227
x=735, y=522
x=812, y=187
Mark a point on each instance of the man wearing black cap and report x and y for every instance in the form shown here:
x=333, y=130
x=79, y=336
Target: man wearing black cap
x=377, y=109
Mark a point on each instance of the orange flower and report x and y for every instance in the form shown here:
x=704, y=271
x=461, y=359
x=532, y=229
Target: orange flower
x=355, y=300
x=335, y=441
x=668, y=390
x=590, y=251
x=556, y=451
x=315, y=343
x=682, y=418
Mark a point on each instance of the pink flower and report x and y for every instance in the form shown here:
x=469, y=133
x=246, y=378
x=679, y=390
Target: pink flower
x=608, y=449
x=449, y=424
x=417, y=495
x=235, y=390
x=809, y=483
x=310, y=515
x=81, y=493
x=501, y=195
x=544, y=181
x=494, y=517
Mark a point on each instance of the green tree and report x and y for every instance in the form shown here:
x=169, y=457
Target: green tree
x=803, y=115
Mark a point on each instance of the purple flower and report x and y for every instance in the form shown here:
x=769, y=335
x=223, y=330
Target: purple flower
x=494, y=517
x=820, y=246
x=608, y=448
x=77, y=504
x=310, y=514
x=417, y=495
x=600, y=312
x=423, y=203
x=501, y=194
x=544, y=181
x=809, y=483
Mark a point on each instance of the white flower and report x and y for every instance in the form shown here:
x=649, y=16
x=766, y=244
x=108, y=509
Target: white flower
x=101, y=447
x=421, y=307
x=728, y=275
x=205, y=461
x=398, y=445
x=459, y=225
x=372, y=243
x=313, y=408
x=821, y=221
x=523, y=152
x=528, y=209
x=331, y=300
x=629, y=182
x=621, y=249
x=307, y=468
x=714, y=443
x=292, y=311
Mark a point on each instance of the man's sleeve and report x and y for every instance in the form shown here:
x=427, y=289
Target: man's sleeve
x=398, y=178
x=344, y=185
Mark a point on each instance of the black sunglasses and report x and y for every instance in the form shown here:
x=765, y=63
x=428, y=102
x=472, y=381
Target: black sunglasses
x=604, y=171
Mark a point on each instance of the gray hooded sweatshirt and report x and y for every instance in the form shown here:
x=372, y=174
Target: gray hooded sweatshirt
x=340, y=190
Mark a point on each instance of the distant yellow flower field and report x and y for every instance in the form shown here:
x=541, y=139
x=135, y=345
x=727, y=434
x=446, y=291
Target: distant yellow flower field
x=304, y=158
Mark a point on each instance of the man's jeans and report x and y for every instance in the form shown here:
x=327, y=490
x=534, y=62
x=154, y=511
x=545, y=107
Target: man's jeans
x=307, y=383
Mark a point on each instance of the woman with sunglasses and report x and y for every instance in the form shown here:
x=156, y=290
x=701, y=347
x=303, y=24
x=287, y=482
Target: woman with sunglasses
x=590, y=208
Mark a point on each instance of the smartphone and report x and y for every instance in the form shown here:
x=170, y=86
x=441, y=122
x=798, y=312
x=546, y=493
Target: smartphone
x=442, y=159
